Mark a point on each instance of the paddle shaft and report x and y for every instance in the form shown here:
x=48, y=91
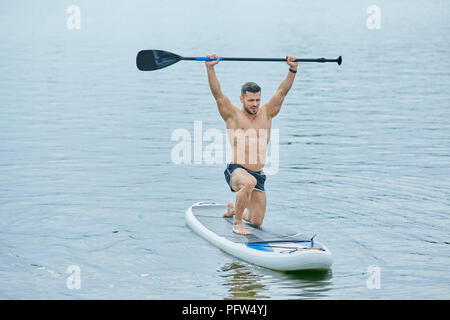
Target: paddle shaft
x=261, y=59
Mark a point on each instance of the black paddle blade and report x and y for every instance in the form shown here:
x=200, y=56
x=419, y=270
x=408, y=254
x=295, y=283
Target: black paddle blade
x=149, y=60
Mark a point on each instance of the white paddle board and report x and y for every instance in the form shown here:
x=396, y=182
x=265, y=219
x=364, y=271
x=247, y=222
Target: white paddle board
x=269, y=246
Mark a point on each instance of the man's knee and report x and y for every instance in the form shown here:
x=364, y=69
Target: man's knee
x=256, y=221
x=248, y=184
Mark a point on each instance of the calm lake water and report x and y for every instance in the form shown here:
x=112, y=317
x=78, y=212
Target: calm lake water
x=87, y=177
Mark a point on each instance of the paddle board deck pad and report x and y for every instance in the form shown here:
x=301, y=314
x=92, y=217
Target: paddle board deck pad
x=271, y=246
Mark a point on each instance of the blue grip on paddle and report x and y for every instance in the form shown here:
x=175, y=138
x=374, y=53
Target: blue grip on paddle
x=206, y=59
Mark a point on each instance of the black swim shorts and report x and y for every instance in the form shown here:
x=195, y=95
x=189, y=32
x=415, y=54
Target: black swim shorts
x=259, y=176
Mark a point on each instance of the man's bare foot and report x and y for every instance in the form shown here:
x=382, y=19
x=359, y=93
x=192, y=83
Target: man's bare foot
x=240, y=229
x=230, y=210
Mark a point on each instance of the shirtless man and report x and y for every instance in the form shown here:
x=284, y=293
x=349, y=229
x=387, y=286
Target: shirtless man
x=248, y=130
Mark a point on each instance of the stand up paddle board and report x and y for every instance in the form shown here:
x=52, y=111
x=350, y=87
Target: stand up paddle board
x=271, y=246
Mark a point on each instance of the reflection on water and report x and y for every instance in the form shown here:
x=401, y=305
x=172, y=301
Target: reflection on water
x=308, y=284
x=309, y=275
x=243, y=282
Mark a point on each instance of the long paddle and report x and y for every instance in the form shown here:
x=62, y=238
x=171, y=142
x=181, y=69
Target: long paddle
x=149, y=60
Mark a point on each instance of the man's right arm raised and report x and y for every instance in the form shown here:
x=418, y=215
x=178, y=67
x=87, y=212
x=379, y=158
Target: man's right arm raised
x=226, y=109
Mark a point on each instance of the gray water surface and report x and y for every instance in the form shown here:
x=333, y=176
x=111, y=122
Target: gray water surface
x=86, y=173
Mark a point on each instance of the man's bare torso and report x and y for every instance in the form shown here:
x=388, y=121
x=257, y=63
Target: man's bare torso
x=248, y=137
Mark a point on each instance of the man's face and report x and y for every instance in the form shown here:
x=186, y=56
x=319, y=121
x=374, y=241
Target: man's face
x=251, y=102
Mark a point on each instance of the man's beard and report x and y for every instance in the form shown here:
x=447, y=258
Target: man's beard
x=249, y=111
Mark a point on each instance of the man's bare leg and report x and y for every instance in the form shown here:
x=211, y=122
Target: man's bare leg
x=244, y=182
x=231, y=211
x=242, y=202
x=257, y=206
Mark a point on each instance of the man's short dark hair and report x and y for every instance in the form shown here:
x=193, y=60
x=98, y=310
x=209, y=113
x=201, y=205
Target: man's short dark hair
x=250, y=87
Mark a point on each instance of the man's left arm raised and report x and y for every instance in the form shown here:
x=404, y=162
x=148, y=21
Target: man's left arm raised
x=274, y=104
